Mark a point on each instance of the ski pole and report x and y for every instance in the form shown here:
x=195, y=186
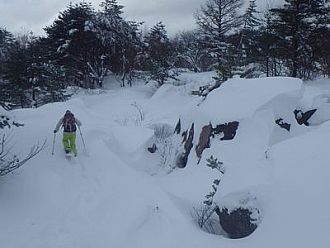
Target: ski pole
x=82, y=138
x=53, y=144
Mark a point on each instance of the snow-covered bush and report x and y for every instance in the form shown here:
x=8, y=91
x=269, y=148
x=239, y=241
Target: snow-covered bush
x=167, y=146
x=165, y=143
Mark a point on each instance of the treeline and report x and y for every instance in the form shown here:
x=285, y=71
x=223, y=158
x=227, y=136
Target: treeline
x=83, y=45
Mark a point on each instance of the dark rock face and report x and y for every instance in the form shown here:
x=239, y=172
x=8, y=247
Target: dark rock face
x=153, y=148
x=228, y=129
x=204, y=140
x=303, y=117
x=189, y=141
x=184, y=136
x=177, y=129
x=282, y=124
x=181, y=160
x=238, y=223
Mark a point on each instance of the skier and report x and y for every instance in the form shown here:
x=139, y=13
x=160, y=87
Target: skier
x=68, y=122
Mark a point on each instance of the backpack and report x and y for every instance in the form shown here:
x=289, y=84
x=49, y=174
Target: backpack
x=69, y=123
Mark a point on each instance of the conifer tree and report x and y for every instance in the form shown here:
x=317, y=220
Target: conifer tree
x=6, y=43
x=121, y=39
x=321, y=32
x=247, y=45
x=74, y=46
x=215, y=20
x=294, y=25
x=159, y=55
x=267, y=51
x=250, y=18
x=19, y=77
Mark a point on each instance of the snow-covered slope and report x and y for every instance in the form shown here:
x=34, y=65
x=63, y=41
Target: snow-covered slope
x=116, y=194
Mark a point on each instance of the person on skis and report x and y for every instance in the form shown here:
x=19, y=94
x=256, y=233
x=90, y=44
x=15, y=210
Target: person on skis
x=69, y=124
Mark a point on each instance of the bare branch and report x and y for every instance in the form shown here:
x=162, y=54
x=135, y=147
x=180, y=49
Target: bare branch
x=7, y=165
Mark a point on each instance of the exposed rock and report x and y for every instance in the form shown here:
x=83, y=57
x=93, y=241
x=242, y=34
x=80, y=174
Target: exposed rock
x=184, y=136
x=189, y=142
x=228, y=129
x=239, y=213
x=303, y=117
x=204, y=140
x=152, y=149
x=177, y=129
x=181, y=160
x=238, y=223
x=282, y=124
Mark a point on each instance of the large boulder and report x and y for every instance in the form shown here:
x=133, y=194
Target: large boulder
x=238, y=223
x=239, y=214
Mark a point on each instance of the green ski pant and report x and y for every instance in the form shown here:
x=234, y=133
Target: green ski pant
x=69, y=142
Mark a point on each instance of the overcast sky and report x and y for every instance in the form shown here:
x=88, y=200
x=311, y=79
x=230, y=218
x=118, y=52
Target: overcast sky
x=177, y=15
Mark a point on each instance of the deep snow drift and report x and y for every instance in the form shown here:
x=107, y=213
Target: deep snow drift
x=117, y=194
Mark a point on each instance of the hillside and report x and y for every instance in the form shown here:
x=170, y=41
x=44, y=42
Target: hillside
x=117, y=194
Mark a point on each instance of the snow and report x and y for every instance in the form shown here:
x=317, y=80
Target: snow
x=246, y=96
x=117, y=194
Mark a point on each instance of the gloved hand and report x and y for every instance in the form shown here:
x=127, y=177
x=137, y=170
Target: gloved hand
x=55, y=131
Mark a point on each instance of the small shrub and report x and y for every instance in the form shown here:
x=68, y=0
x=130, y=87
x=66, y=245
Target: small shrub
x=204, y=215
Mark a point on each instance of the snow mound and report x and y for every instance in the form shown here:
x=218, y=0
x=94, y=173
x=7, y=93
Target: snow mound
x=240, y=98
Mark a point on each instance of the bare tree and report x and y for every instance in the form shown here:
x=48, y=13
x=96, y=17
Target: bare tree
x=9, y=161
